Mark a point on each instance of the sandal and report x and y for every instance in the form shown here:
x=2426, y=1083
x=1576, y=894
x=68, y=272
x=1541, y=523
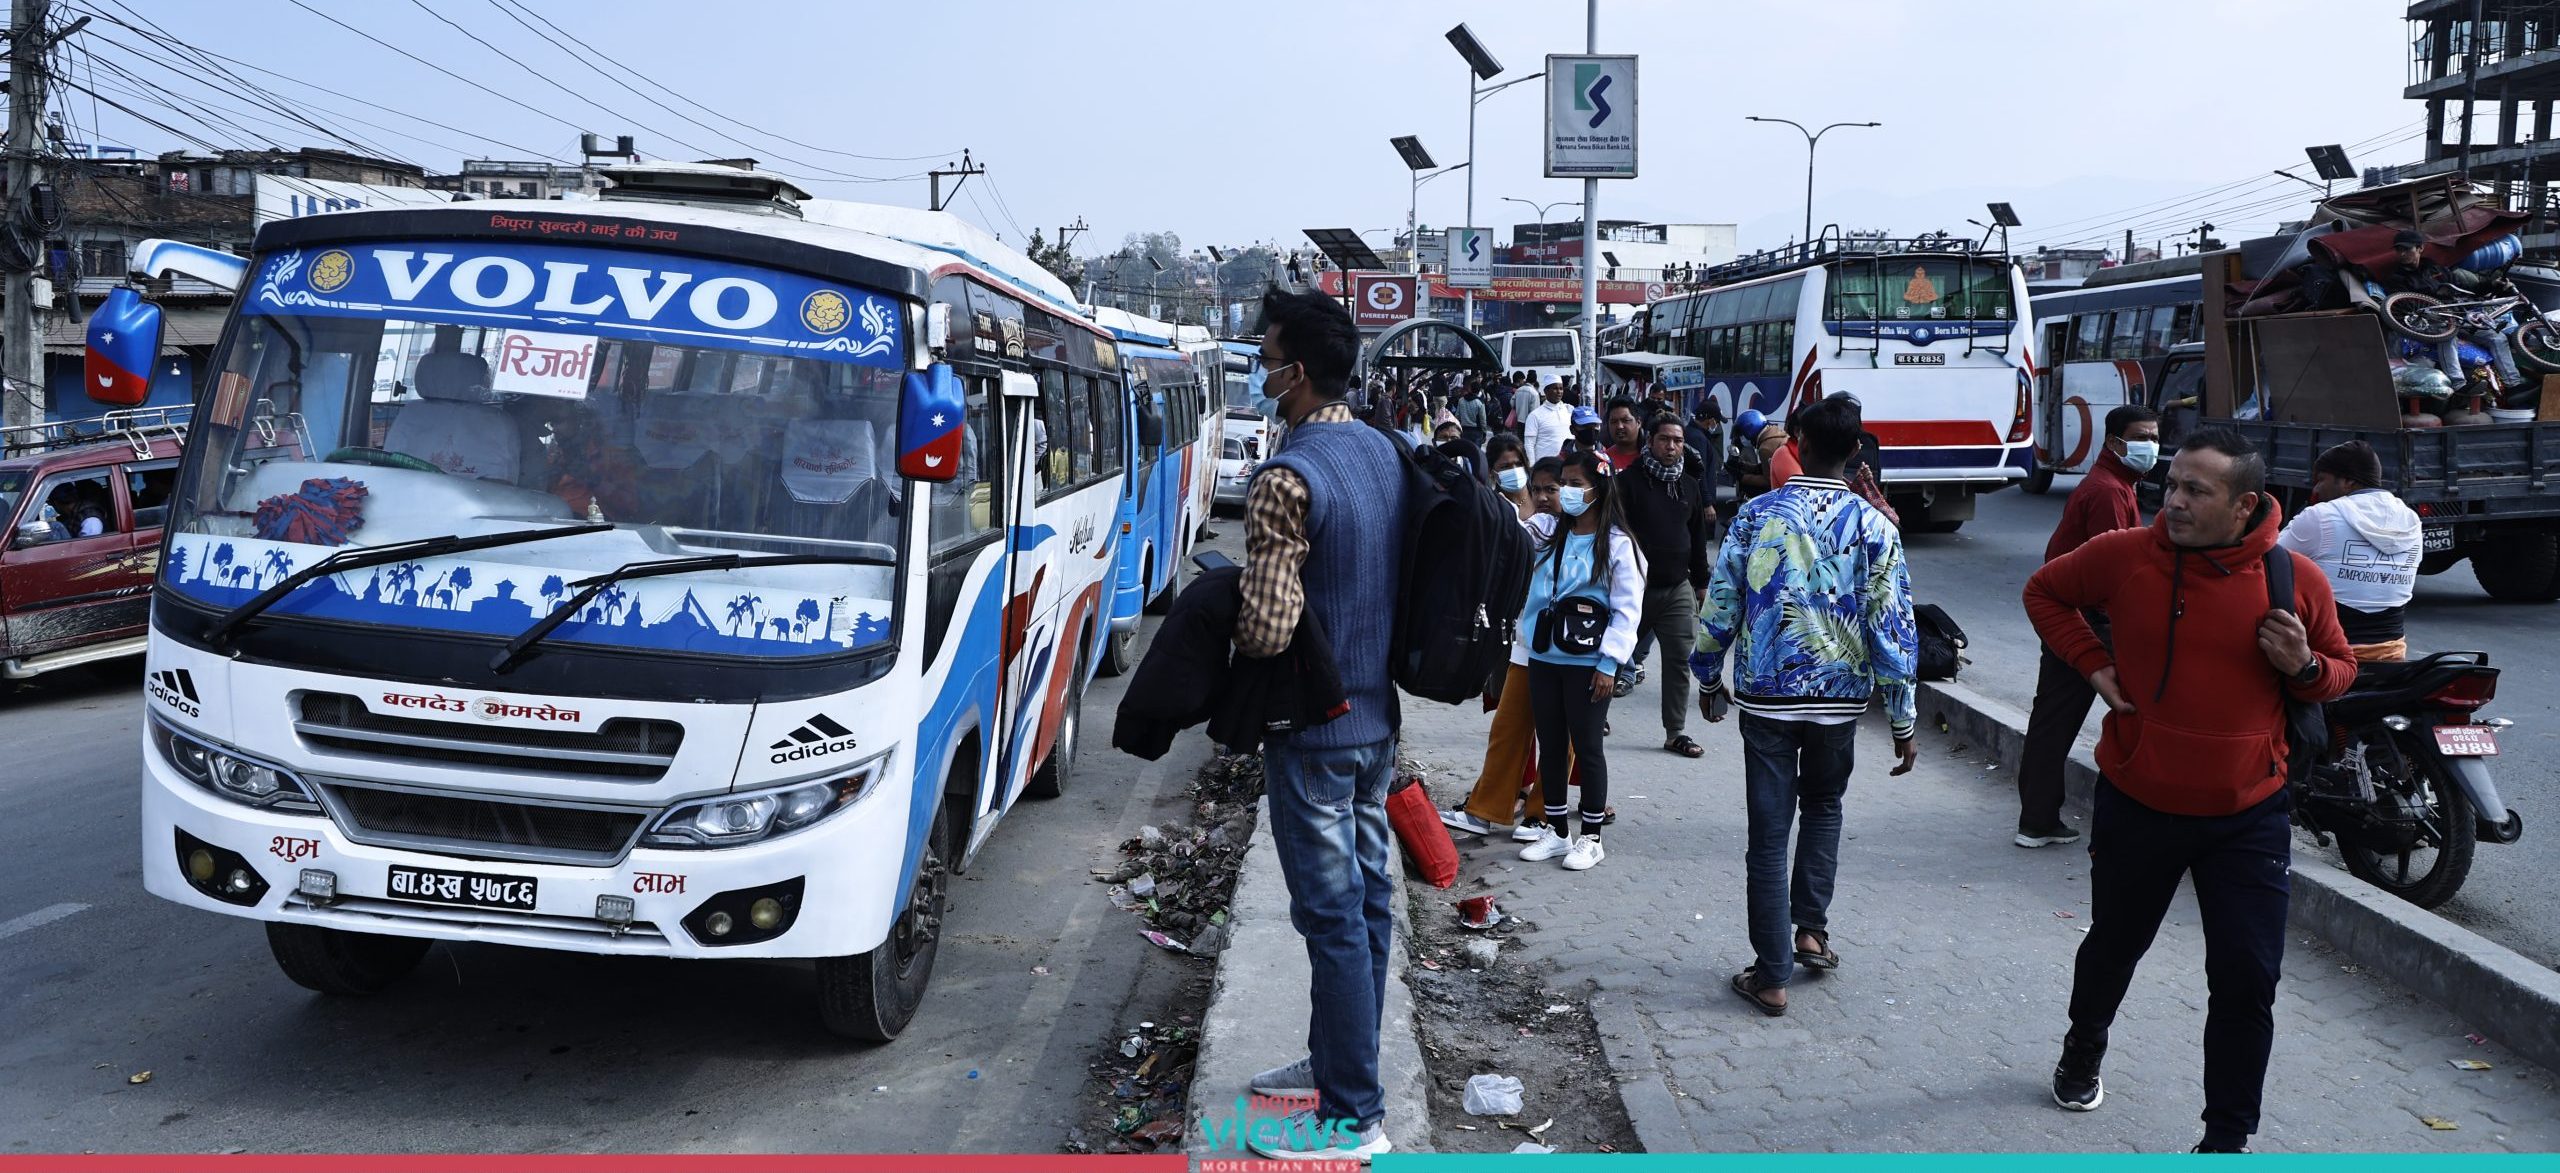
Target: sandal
x=1823, y=958
x=1748, y=984
x=1685, y=746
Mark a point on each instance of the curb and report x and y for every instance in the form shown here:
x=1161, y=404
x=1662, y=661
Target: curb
x=2507, y=996
x=1257, y=1011
x=1642, y=1088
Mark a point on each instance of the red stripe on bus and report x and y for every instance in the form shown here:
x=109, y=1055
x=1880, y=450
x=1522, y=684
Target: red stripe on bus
x=1933, y=433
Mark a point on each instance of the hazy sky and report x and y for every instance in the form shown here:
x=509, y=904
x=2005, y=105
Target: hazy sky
x=1230, y=122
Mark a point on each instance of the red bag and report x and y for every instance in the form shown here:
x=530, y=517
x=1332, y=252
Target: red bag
x=1426, y=839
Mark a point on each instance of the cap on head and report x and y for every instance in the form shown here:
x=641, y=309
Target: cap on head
x=2408, y=238
x=1584, y=416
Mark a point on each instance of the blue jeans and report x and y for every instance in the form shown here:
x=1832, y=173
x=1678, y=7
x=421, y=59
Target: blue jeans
x=1329, y=824
x=1794, y=773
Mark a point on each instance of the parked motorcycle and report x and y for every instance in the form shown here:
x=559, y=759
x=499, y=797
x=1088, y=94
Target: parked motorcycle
x=2405, y=789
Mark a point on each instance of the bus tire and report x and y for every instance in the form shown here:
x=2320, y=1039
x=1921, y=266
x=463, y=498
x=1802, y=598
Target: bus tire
x=1058, y=772
x=2519, y=565
x=871, y=997
x=1118, y=650
x=334, y=961
x=2040, y=481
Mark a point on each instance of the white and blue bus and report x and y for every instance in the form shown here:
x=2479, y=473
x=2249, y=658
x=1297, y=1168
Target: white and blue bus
x=2107, y=344
x=1161, y=508
x=1247, y=436
x=1930, y=335
x=724, y=569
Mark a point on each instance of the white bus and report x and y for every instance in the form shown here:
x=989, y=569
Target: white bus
x=1929, y=334
x=1548, y=355
x=2106, y=344
x=1246, y=436
x=615, y=627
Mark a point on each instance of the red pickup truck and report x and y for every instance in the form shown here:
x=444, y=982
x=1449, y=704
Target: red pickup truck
x=81, y=543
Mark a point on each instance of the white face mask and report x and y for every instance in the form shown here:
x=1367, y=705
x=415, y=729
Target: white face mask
x=2140, y=455
x=1573, y=499
x=1512, y=480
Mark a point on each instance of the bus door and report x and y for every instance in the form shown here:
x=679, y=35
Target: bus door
x=1029, y=548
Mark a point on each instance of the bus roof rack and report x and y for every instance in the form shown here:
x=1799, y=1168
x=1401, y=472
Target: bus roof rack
x=1833, y=244
x=138, y=427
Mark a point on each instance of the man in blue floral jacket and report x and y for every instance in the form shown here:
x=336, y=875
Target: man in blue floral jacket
x=1811, y=595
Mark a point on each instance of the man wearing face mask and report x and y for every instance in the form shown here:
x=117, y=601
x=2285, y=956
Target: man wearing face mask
x=2103, y=502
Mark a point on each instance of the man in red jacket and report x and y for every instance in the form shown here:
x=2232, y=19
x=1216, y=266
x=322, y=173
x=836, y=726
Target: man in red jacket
x=2193, y=757
x=2103, y=502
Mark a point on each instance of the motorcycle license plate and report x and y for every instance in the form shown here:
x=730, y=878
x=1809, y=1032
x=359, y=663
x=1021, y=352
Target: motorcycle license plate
x=2466, y=741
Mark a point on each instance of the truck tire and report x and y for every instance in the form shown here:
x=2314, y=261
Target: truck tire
x=2439, y=563
x=871, y=997
x=2519, y=565
x=334, y=961
x=2040, y=481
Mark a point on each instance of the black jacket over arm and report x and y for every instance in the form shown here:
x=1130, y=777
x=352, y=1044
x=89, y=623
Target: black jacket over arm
x=1191, y=674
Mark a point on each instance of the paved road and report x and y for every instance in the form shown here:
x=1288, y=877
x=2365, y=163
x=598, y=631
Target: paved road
x=498, y=1049
x=1977, y=573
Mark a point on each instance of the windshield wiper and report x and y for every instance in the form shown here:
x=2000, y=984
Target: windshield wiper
x=514, y=653
x=364, y=556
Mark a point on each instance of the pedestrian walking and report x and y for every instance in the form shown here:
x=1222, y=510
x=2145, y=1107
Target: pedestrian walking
x=2104, y=502
x=1510, y=748
x=2192, y=762
x=1548, y=424
x=1470, y=412
x=1622, y=433
x=1525, y=398
x=1324, y=535
x=2367, y=542
x=1586, y=594
x=1811, y=595
x=1671, y=521
x=1586, y=436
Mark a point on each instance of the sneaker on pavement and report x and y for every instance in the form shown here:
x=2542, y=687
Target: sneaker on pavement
x=2076, y=1085
x=2046, y=836
x=1294, y=1079
x=1459, y=820
x=1526, y=833
x=1546, y=846
x=1299, y=1136
x=1585, y=852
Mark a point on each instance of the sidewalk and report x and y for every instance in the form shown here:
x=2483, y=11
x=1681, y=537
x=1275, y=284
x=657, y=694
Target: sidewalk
x=1940, y=1030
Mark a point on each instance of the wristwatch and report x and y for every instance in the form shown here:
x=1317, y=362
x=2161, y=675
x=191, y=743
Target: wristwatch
x=2310, y=673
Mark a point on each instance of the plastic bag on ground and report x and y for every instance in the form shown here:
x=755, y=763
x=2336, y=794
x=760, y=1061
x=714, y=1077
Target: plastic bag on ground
x=1493, y=1095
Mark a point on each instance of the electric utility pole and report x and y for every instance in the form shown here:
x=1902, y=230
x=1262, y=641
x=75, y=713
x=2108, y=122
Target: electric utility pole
x=21, y=343
x=962, y=172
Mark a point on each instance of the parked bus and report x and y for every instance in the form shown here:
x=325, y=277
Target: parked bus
x=2105, y=344
x=1549, y=355
x=612, y=626
x=1247, y=434
x=1927, y=333
x=1159, y=512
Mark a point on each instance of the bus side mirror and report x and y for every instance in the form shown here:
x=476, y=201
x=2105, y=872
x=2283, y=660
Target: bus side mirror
x=124, y=342
x=1150, y=427
x=933, y=413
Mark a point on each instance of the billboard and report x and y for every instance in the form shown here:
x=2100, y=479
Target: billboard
x=1380, y=300
x=1591, y=117
x=1470, y=257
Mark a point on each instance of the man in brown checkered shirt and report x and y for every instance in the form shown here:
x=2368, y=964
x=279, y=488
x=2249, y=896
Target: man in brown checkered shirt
x=1324, y=536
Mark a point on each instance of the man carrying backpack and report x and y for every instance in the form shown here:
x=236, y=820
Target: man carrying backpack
x=1324, y=533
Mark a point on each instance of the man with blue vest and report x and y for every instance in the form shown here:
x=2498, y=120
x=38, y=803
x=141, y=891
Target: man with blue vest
x=1324, y=535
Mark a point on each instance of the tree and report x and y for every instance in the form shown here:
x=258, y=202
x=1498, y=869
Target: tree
x=1055, y=258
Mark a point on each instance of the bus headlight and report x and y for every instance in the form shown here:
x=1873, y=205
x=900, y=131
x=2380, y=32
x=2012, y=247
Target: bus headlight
x=759, y=815
x=226, y=772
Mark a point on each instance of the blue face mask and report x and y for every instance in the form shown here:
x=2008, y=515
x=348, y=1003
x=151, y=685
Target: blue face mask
x=1264, y=405
x=1573, y=499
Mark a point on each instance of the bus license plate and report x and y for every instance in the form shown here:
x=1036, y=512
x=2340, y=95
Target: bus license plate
x=513, y=892
x=2466, y=741
x=2436, y=539
x=1926, y=358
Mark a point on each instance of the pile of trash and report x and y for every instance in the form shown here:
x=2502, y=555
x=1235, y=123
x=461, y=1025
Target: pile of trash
x=1149, y=1074
x=1178, y=879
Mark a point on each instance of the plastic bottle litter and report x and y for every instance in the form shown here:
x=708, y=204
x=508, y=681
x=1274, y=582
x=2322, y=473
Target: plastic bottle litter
x=1144, y=886
x=1493, y=1095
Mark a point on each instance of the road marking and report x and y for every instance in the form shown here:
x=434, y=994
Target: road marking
x=39, y=919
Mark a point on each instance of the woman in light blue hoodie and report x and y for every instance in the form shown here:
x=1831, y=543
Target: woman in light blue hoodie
x=1586, y=594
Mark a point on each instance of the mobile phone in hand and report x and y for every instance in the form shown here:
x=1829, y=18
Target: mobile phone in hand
x=1212, y=560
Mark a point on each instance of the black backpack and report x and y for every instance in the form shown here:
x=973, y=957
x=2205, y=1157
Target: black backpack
x=2306, y=723
x=1941, y=642
x=1466, y=576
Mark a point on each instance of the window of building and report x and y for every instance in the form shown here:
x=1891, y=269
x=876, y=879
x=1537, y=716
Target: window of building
x=102, y=258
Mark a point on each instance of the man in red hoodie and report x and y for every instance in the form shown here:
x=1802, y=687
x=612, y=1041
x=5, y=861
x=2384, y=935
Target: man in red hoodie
x=2193, y=757
x=2103, y=502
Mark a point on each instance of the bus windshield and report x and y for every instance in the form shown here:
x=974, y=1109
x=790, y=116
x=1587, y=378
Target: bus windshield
x=1898, y=288
x=336, y=424
x=1541, y=350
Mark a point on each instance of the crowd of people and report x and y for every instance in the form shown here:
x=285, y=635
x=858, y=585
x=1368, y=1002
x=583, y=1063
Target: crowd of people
x=1799, y=613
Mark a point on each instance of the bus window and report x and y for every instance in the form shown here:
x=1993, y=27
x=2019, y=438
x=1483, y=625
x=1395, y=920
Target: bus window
x=1918, y=287
x=1721, y=350
x=1057, y=430
x=1777, y=347
x=1853, y=290
x=2183, y=326
x=1783, y=296
x=1079, y=393
x=964, y=509
x=1986, y=292
x=1755, y=304
x=2167, y=323
x=1724, y=308
x=2124, y=337
x=1110, y=444
x=2089, y=337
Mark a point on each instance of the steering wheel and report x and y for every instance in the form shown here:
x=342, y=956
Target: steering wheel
x=379, y=458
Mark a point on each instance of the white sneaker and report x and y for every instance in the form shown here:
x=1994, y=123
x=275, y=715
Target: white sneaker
x=1295, y=1080
x=1459, y=820
x=1301, y=1137
x=1546, y=846
x=1586, y=851
x=1526, y=832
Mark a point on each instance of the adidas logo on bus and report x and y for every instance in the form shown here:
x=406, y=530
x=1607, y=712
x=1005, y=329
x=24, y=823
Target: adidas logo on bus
x=816, y=738
x=175, y=688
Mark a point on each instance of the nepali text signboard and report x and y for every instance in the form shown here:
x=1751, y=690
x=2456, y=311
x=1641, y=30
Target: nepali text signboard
x=1380, y=300
x=1560, y=290
x=1470, y=257
x=1591, y=117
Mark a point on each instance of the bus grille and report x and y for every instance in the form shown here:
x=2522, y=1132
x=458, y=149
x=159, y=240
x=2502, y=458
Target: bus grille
x=484, y=827
x=624, y=749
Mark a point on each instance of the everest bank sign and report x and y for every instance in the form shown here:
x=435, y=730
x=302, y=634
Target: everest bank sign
x=1549, y=289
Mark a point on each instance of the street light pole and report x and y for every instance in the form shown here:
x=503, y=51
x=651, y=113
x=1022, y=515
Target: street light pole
x=1812, y=139
x=1590, y=235
x=1476, y=97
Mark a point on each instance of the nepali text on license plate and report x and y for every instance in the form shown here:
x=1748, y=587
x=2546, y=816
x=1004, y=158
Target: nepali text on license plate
x=1926, y=358
x=480, y=891
x=2466, y=741
x=2436, y=539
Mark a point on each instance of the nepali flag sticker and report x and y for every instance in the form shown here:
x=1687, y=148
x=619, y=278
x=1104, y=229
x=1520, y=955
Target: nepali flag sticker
x=124, y=339
x=932, y=414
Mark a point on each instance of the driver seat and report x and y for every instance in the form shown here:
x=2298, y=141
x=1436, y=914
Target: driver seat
x=451, y=425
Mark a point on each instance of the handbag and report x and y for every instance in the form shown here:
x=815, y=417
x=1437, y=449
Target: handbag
x=1571, y=626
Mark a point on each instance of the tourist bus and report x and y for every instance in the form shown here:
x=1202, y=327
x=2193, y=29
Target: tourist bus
x=1927, y=333
x=2105, y=344
x=1159, y=511
x=1548, y=355
x=1247, y=433
x=725, y=570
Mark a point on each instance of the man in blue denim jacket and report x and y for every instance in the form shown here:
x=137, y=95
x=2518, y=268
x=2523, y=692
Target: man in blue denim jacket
x=1811, y=595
